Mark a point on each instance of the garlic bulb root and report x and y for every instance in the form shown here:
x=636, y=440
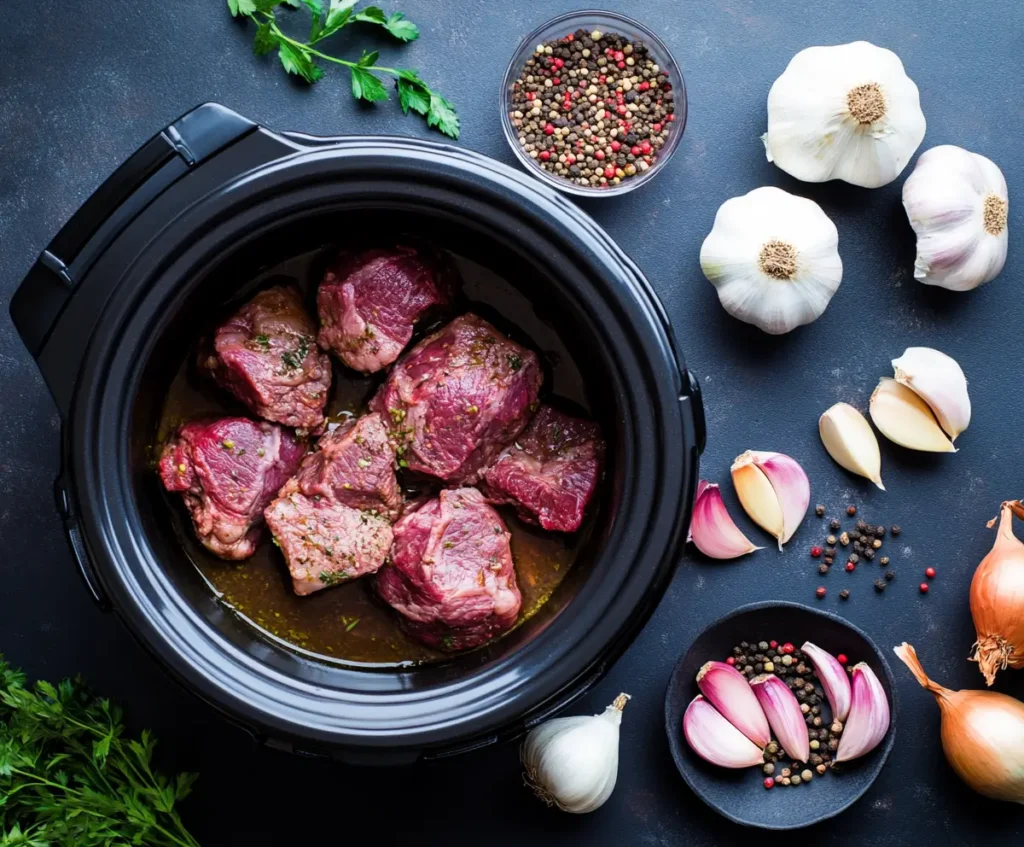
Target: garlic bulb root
x=773, y=258
x=846, y=112
x=958, y=205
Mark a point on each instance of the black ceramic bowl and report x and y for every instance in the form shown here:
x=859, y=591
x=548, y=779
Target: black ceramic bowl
x=739, y=794
x=117, y=299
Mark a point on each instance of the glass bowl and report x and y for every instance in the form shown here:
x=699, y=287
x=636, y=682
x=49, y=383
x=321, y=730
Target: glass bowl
x=605, y=22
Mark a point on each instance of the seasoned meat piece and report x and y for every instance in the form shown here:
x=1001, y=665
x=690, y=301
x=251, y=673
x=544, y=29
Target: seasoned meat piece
x=457, y=398
x=228, y=470
x=325, y=542
x=355, y=465
x=452, y=576
x=551, y=470
x=266, y=355
x=369, y=301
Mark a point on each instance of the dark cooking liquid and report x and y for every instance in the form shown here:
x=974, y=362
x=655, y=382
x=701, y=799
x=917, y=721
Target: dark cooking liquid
x=347, y=622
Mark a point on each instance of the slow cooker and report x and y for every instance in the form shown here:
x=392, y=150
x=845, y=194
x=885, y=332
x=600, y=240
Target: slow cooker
x=171, y=235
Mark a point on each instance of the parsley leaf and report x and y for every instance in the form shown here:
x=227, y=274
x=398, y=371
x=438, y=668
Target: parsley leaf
x=338, y=15
x=442, y=115
x=400, y=28
x=242, y=7
x=313, y=5
x=296, y=61
x=265, y=40
x=368, y=59
x=414, y=95
x=371, y=15
x=365, y=86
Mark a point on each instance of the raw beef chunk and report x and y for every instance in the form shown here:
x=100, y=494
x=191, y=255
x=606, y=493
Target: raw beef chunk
x=457, y=398
x=228, y=470
x=354, y=464
x=266, y=355
x=551, y=470
x=325, y=542
x=452, y=576
x=369, y=301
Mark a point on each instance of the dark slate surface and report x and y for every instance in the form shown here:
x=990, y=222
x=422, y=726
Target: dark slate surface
x=81, y=90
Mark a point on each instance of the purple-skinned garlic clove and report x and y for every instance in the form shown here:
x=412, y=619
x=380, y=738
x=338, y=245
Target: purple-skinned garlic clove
x=716, y=740
x=834, y=679
x=868, y=720
x=784, y=716
x=727, y=690
x=712, y=529
x=774, y=491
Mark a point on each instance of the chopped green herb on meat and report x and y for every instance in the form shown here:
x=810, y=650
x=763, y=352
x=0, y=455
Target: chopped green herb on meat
x=515, y=361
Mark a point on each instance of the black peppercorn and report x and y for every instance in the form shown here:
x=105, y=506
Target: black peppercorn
x=880, y=531
x=845, y=593
x=890, y=575
x=823, y=569
x=819, y=510
x=880, y=585
x=862, y=525
x=895, y=530
x=854, y=558
x=883, y=561
x=830, y=551
x=834, y=524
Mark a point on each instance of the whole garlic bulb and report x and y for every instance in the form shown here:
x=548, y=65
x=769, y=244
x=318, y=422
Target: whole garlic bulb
x=774, y=259
x=957, y=204
x=846, y=112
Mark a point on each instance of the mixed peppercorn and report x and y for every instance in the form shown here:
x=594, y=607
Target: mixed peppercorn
x=787, y=662
x=593, y=108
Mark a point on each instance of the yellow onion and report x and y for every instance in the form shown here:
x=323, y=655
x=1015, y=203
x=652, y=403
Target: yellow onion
x=997, y=599
x=982, y=734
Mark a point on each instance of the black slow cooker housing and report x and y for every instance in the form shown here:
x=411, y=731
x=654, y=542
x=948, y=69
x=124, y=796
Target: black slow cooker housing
x=173, y=234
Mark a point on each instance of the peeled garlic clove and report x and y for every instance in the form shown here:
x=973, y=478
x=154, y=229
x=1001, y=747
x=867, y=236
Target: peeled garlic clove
x=846, y=112
x=727, y=690
x=773, y=259
x=774, y=491
x=938, y=380
x=712, y=529
x=957, y=204
x=905, y=418
x=849, y=440
x=869, y=715
x=833, y=678
x=783, y=712
x=716, y=740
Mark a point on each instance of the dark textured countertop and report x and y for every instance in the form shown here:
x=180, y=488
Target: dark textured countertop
x=83, y=87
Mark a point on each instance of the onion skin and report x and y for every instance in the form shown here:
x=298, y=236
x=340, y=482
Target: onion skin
x=982, y=734
x=997, y=599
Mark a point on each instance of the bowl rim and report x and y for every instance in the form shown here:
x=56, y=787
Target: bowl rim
x=678, y=123
x=673, y=731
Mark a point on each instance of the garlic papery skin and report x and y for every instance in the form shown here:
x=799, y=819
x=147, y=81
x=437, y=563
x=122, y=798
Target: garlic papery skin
x=716, y=740
x=938, y=380
x=868, y=720
x=773, y=258
x=957, y=203
x=774, y=490
x=904, y=418
x=573, y=762
x=846, y=112
x=849, y=440
x=712, y=530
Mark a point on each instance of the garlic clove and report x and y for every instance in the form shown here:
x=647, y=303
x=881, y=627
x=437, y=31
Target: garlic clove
x=712, y=529
x=728, y=691
x=957, y=203
x=868, y=720
x=905, y=419
x=773, y=259
x=938, y=380
x=573, y=762
x=784, y=716
x=716, y=740
x=774, y=491
x=849, y=440
x=833, y=678
x=846, y=112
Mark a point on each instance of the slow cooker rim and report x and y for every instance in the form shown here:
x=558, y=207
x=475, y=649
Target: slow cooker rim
x=610, y=260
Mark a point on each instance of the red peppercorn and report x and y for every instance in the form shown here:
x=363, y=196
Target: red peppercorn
x=645, y=146
x=620, y=65
x=570, y=159
x=930, y=573
x=570, y=37
x=644, y=86
x=634, y=150
x=670, y=117
x=549, y=129
x=609, y=172
x=769, y=782
x=559, y=63
x=841, y=658
x=616, y=146
x=557, y=80
x=531, y=95
x=820, y=592
x=601, y=80
x=924, y=587
x=619, y=55
x=816, y=551
x=656, y=127
x=545, y=155
x=850, y=567
x=731, y=660
x=773, y=644
x=621, y=109
x=788, y=648
x=599, y=154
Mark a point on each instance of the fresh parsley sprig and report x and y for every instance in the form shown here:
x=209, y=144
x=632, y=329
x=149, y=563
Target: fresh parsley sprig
x=300, y=57
x=69, y=777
